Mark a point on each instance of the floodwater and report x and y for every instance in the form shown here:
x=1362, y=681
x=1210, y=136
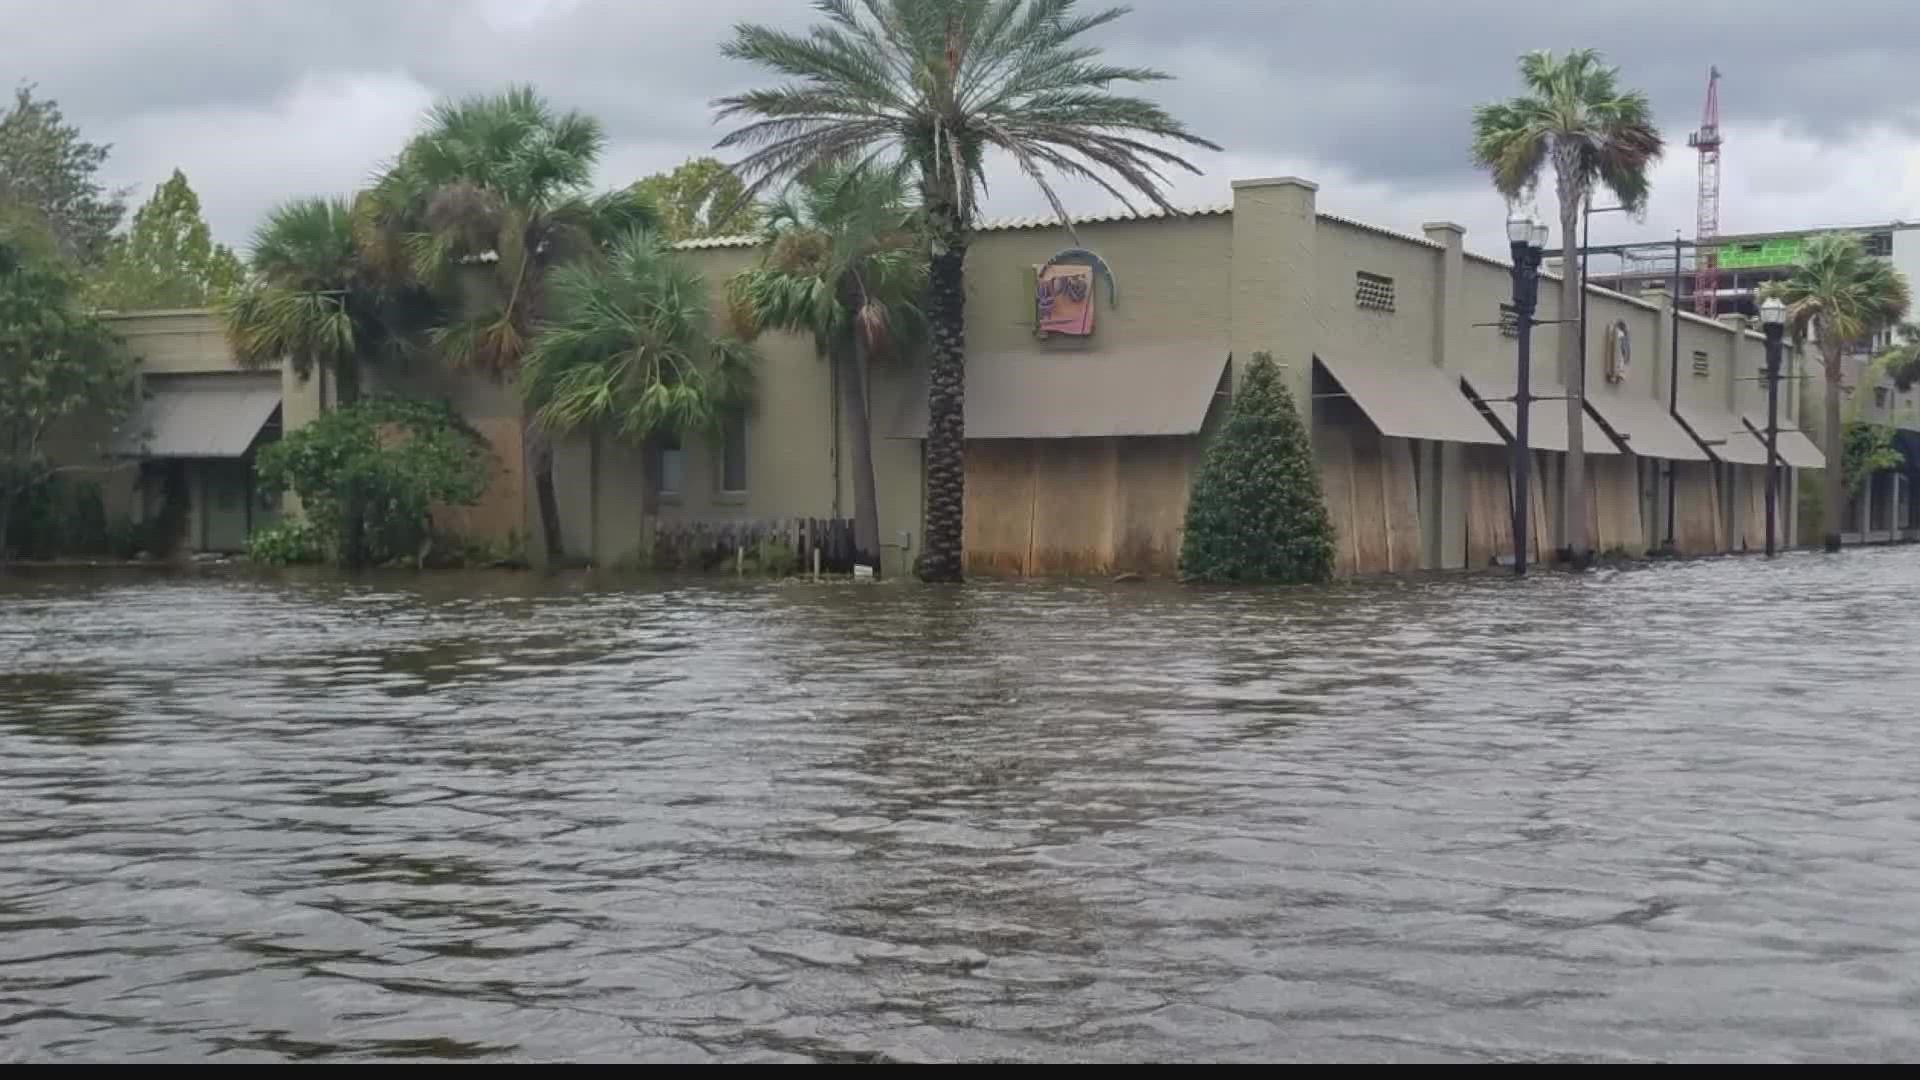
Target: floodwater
x=1662, y=813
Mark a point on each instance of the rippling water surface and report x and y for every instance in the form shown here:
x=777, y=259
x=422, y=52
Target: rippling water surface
x=1665, y=813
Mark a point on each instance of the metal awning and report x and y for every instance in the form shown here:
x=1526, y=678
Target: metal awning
x=1547, y=426
x=199, y=416
x=1723, y=434
x=1796, y=450
x=1645, y=424
x=1417, y=401
x=1149, y=388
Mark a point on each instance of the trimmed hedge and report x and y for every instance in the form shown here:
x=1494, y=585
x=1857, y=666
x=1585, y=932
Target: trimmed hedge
x=1257, y=513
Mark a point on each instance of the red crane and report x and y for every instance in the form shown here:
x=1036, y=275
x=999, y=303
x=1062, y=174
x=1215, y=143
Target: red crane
x=1706, y=272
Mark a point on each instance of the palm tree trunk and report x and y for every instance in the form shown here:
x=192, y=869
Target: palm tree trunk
x=1836, y=449
x=1573, y=488
x=940, y=557
x=353, y=547
x=853, y=402
x=540, y=461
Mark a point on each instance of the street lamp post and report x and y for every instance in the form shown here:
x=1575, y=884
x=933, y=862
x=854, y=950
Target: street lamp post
x=1773, y=319
x=1527, y=239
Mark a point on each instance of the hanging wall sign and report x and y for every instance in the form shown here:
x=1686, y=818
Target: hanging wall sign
x=1619, y=352
x=1064, y=292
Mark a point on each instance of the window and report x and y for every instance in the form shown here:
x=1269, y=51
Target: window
x=670, y=478
x=1879, y=397
x=1702, y=365
x=733, y=457
x=1879, y=243
x=1373, y=291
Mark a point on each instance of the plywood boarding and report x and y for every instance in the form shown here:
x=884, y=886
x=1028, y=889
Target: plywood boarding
x=1333, y=452
x=1073, y=495
x=501, y=513
x=1613, y=495
x=1076, y=506
x=1150, y=502
x=998, y=528
x=1750, y=510
x=1490, y=507
x=1698, y=524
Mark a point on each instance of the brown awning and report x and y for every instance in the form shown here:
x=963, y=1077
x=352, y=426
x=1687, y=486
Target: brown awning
x=1796, y=450
x=1148, y=388
x=1547, y=426
x=199, y=416
x=1413, y=401
x=1645, y=424
x=1723, y=434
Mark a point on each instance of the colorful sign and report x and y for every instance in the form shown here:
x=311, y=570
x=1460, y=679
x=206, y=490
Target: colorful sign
x=1064, y=295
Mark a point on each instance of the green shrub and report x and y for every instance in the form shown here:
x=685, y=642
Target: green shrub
x=368, y=474
x=1869, y=449
x=57, y=516
x=286, y=542
x=1257, y=513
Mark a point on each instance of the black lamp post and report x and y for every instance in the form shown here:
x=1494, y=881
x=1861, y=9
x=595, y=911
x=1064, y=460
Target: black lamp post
x=1528, y=240
x=1773, y=319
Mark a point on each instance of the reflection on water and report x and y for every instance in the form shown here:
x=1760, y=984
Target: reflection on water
x=1664, y=813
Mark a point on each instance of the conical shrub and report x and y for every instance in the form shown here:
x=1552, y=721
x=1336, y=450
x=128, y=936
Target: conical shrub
x=1257, y=513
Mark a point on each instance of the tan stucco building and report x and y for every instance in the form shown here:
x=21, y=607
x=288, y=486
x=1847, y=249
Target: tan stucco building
x=1081, y=446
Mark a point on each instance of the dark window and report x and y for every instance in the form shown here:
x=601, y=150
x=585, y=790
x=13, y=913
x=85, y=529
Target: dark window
x=1702, y=365
x=1373, y=291
x=1880, y=243
x=1879, y=397
x=733, y=457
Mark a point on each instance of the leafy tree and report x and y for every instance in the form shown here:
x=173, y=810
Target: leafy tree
x=1257, y=513
x=631, y=344
x=936, y=84
x=58, y=362
x=700, y=197
x=168, y=258
x=396, y=459
x=1869, y=450
x=1575, y=115
x=843, y=264
x=1837, y=295
x=1901, y=359
x=480, y=207
x=47, y=167
x=316, y=301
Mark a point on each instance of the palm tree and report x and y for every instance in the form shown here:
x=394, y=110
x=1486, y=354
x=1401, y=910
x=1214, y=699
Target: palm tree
x=481, y=207
x=631, y=344
x=934, y=85
x=313, y=300
x=1838, y=295
x=1573, y=114
x=843, y=264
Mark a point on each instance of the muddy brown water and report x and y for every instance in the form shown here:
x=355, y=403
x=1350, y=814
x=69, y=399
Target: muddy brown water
x=1661, y=813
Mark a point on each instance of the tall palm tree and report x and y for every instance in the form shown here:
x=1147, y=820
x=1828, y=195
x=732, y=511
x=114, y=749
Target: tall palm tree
x=843, y=264
x=313, y=299
x=480, y=207
x=1575, y=115
x=631, y=343
x=935, y=85
x=1838, y=295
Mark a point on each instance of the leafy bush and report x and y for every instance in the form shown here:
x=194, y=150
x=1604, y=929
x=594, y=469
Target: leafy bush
x=287, y=542
x=1257, y=512
x=55, y=516
x=368, y=475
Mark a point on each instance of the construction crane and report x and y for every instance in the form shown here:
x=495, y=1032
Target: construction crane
x=1706, y=270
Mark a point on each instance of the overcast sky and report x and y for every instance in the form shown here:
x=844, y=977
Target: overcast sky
x=259, y=100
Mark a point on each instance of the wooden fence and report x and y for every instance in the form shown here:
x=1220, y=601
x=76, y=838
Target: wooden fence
x=721, y=545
